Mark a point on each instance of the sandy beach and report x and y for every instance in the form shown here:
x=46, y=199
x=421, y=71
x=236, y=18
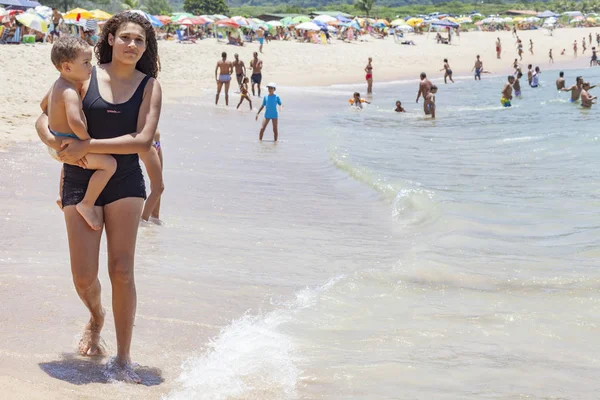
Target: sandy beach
x=188, y=69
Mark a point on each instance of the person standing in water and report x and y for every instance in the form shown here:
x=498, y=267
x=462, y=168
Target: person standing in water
x=594, y=60
x=448, y=71
x=429, y=103
x=369, y=76
x=478, y=68
x=575, y=89
x=223, y=72
x=506, y=98
x=424, y=88
x=586, y=98
x=529, y=74
x=517, y=85
x=256, y=78
x=122, y=103
x=240, y=70
x=560, y=82
x=270, y=101
x=535, y=78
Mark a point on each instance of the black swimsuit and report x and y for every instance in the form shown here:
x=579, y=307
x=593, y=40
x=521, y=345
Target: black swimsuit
x=105, y=121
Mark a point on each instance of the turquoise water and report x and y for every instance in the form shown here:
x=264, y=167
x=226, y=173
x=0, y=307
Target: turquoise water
x=367, y=255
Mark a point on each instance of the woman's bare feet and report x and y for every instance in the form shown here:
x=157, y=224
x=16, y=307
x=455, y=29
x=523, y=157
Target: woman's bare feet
x=90, y=215
x=89, y=345
x=122, y=370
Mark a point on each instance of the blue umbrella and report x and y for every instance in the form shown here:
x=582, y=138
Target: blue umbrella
x=445, y=22
x=343, y=19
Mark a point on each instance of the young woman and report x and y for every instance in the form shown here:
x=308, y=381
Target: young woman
x=122, y=103
x=369, y=76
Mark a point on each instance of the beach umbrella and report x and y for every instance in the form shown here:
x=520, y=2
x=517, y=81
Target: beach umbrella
x=398, y=22
x=405, y=28
x=414, y=22
x=343, y=19
x=241, y=21
x=465, y=20
x=518, y=19
x=325, y=19
x=550, y=21
x=444, y=23
x=287, y=21
x=532, y=19
x=227, y=23
x=33, y=21
x=508, y=20
x=382, y=21
x=218, y=17
x=77, y=13
x=165, y=19
x=308, y=26
x=300, y=19
x=44, y=12
x=181, y=15
x=100, y=15
x=274, y=24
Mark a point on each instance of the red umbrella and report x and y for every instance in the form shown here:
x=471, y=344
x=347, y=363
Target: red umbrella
x=192, y=21
x=228, y=22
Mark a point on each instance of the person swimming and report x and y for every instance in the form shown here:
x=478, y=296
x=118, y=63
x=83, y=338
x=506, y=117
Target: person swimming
x=356, y=101
x=399, y=107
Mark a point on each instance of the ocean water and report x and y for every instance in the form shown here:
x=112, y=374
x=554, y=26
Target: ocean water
x=445, y=259
x=367, y=255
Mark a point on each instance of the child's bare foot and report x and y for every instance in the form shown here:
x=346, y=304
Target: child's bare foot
x=89, y=345
x=90, y=216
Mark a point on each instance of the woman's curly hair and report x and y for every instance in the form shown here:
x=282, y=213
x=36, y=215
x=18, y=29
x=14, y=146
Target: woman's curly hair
x=149, y=64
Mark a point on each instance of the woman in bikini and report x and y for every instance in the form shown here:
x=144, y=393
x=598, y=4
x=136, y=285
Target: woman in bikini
x=121, y=102
x=448, y=73
x=369, y=77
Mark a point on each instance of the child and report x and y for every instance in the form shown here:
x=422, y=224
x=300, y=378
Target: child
x=507, y=92
x=356, y=101
x=430, y=102
x=244, y=89
x=399, y=107
x=72, y=57
x=270, y=101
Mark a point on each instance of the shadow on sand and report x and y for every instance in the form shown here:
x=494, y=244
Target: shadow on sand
x=82, y=371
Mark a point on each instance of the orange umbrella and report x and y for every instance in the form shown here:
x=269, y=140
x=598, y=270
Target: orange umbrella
x=165, y=19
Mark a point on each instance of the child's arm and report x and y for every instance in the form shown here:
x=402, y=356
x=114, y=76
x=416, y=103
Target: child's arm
x=259, y=111
x=44, y=102
x=73, y=109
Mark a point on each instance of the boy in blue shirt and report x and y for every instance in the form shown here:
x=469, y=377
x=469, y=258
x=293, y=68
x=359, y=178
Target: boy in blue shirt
x=271, y=101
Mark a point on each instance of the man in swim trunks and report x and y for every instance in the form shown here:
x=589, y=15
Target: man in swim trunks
x=424, y=89
x=223, y=72
x=56, y=18
x=240, y=70
x=260, y=34
x=575, y=89
x=478, y=68
x=517, y=85
x=507, y=92
x=529, y=74
x=256, y=67
x=560, y=82
x=586, y=98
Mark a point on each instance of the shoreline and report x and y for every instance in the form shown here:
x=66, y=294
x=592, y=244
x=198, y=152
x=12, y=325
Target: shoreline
x=187, y=69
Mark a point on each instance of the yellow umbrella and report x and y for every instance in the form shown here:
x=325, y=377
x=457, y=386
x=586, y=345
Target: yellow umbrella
x=85, y=14
x=590, y=19
x=100, y=15
x=414, y=22
x=398, y=21
x=383, y=21
x=33, y=21
x=517, y=19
